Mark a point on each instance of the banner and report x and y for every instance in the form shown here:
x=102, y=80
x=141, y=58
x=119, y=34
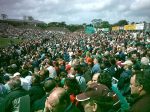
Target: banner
x=89, y=30
x=115, y=28
x=140, y=26
x=105, y=29
x=130, y=27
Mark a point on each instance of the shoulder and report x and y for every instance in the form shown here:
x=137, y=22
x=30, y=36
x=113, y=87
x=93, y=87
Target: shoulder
x=142, y=105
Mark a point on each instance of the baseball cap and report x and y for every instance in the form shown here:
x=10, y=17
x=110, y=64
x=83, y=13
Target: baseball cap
x=16, y=74
x=94, y=91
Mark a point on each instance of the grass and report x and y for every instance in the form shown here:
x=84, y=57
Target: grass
x=4, y=42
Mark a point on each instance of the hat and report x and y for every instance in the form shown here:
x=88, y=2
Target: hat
x=16, y=74
x=94, y=91
x=144, y=61
x=128, y=62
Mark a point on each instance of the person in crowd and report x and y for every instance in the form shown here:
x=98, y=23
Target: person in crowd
x=36, y=91
x=95, y=78
x=51, y=69
x=3, y=89
x=145, y=63
x=12, y=100
x=96, y=98
x=39, y=105
x=58, y=101
x=46, y=52
x=96, y=67
x=105, y=78
x=140, y=89
x=124, y=80
x=136, y=61
x=79, y=77
x=24, y=83
x=70, y=85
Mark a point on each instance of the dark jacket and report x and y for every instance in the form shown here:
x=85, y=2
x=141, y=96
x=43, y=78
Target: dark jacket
x=40, y=104
x=15, y=94
x=36, y=92
x=72, y=108
x=142, y=104
x=124, y=82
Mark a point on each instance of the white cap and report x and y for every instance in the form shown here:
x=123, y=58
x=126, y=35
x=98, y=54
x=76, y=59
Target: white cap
x=16, y=74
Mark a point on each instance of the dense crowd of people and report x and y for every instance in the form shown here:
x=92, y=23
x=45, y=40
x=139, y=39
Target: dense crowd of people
x=75, y=72
x=10, y=31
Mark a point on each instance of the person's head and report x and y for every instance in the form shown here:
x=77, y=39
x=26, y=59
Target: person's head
x=76, y=62
x=140, y=83
x=119, y=48
x=72, y=86
x=95, y=98
x=127, y=64
x=134, y=56
x=95, y=61
x=35, y=79
x=95, y=77
x=6, y=78
x=72, y=71
x=43, y=74
x=49, y=85
x=15, y=83
x=76, y=69
x=57, y=101
x=17, y=75
x=105, y=78
x=145, y=61
x=89, y=61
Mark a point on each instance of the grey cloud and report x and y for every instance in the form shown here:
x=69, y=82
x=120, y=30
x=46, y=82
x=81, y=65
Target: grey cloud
x=77, y=11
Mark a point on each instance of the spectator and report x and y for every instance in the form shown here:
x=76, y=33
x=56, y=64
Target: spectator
x=79, y=77
x=96, y=67
x=24, y=83
x=145, y=63
x=140, y=88
x=59, y=100
x=95, y=78
x=96, y=98
x=49, y=85
x=36, y=91
x=12, y=100
x=70, y=85
x=124, y=80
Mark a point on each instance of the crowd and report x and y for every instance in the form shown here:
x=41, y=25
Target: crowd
x=22, y=32
x=76, y=72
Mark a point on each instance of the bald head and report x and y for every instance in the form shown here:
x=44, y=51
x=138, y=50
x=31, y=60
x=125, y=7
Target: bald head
x=57, y=100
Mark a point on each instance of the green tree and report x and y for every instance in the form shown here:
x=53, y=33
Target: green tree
x=104, y=24
x=122, y=23
x=42, y=25
x=73, y=28
x=62, y=24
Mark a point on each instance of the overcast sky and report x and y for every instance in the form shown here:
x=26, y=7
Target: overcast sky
x=78, y=11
